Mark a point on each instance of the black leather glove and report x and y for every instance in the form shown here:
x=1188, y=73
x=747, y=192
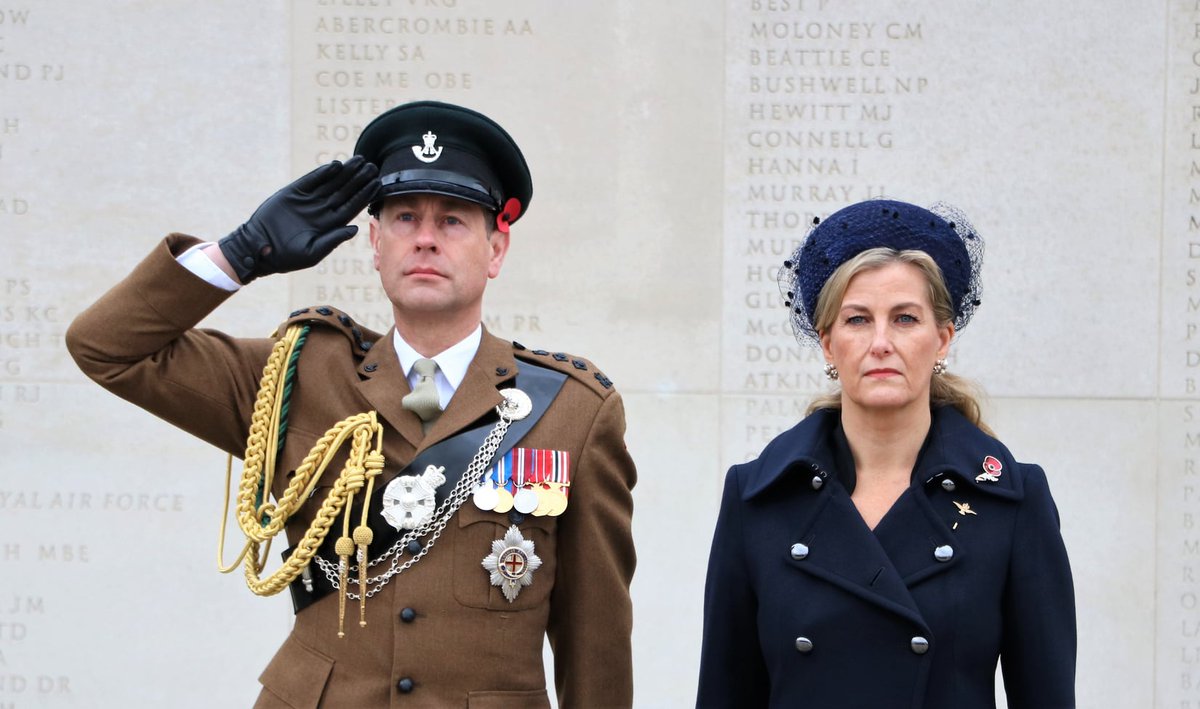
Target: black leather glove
x=300, y=224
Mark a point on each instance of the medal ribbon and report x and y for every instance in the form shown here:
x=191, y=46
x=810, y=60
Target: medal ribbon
x=562, y=471
x=529, y=467
x=502, y=475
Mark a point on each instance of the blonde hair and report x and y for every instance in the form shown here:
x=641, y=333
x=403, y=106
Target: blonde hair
x=945, y=389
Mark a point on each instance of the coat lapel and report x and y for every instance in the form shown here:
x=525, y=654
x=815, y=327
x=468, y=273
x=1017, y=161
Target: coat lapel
x=842, y=550
x=477, y=396
x=911, y=543
x=917, y=542
x=384, y=385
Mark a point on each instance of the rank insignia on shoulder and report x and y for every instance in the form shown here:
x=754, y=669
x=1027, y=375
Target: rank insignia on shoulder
x=991, y=470
x=529, y=480
x=512, y=563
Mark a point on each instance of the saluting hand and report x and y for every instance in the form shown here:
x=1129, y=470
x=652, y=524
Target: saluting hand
x=300, y=224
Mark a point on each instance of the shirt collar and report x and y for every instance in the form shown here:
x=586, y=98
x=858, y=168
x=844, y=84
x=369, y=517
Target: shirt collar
x=453, y=361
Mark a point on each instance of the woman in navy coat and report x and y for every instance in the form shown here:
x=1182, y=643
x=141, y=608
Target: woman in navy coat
x=887, y=551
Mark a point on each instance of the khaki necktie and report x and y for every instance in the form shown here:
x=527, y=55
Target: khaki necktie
x=423, y=400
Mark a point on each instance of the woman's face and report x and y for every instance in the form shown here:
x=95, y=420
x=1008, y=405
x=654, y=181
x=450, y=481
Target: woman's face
x=885, y=339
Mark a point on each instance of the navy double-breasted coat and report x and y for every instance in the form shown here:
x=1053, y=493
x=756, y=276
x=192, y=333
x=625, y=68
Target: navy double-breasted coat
x=805, y=606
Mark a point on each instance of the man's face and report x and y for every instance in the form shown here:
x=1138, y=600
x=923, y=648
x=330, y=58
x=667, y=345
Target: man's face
x=435, y=255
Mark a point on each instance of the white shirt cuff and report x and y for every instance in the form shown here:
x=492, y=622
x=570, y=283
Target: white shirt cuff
x=200, y=264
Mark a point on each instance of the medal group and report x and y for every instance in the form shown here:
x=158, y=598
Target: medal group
x=528, y=481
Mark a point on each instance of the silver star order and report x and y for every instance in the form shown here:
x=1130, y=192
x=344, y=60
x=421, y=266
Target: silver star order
x=512, y=563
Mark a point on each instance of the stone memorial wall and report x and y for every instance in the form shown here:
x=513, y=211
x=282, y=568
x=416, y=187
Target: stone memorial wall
x=679, y=150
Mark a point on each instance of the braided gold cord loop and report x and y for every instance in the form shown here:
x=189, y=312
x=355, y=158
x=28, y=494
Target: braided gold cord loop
x=261, y=520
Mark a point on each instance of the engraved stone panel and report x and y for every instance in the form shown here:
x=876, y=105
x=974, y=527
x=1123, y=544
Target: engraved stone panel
x=680, y=150
x=1177, y=656
x=120, y=123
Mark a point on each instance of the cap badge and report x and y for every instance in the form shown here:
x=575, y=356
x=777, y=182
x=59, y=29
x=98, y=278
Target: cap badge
x=991, y=471
x=512, y=563
x=427, y=152
x=408, y=500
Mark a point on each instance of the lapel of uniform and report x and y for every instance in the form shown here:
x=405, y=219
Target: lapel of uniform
x=477, y=395
x=383, y=384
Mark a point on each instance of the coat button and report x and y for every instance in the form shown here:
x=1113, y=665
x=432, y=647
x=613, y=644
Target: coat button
x=799, y=551
x=804, y=645
x=408, y=615
x=405, y=685
x=817, y=482
x=919, y=645
x=948, y=485
x=943, y=553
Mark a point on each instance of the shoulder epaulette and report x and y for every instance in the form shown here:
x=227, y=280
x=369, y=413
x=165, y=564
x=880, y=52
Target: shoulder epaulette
x=572, y=365
x=329, y=316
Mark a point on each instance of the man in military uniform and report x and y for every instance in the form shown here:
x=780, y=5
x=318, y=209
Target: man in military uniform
x=473, y=496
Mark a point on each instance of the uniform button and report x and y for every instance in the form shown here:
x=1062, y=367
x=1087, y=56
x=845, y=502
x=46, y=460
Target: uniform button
x=920, y=645
x=799, y=551
x=804, y=645
x=406, y=685
x=817, y=482
x=408, y=615
x=414, y=547
x=371, y=367
x=943, y=553
x=948, y=485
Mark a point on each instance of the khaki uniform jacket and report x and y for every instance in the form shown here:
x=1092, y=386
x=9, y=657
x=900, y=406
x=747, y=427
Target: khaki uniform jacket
x=440, y=624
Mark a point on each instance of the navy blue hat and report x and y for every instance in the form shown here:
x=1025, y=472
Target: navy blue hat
x=940, y=231
x=440, y=148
